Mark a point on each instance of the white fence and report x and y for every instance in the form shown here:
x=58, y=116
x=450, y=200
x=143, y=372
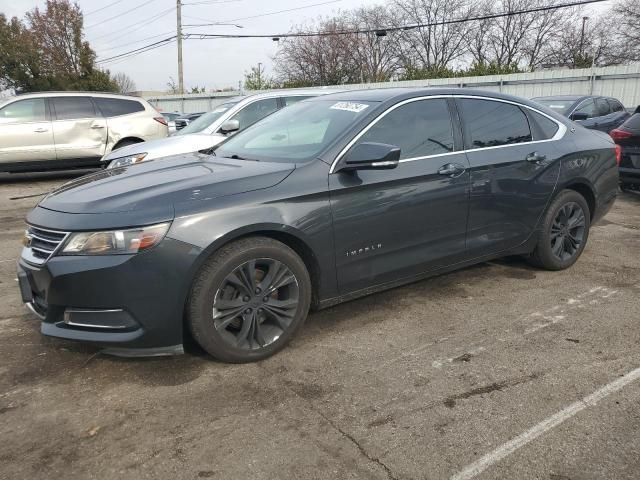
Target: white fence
x=621, y=82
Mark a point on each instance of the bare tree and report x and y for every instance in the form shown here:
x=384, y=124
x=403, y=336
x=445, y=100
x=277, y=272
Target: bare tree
x=435, y=46
x=124, y=82
x=317, y=60
x=626, y=16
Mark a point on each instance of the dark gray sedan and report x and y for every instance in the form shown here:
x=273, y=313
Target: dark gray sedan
x=327, y=200
x=594, y=112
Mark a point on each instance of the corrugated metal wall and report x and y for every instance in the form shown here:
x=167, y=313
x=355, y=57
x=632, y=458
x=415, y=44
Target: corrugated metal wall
x=622, y=82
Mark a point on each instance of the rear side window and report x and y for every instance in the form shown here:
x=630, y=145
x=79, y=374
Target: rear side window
x=491, y=123
x=419, y=128
x=616, y=106
x=22, y=111
x=71, y=108
x=547, y=128
x=113, y=107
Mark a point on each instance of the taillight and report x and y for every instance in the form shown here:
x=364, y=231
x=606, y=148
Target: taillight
x=618, y=154
x=617, y=134
x=161, y=120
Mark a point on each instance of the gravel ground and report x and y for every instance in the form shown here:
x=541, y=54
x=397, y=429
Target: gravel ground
x=484, y=373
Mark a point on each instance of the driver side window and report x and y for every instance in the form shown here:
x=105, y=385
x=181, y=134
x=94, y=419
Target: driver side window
x=419, y=128
x=589, y=107
x=24, y=111
x=255, y=111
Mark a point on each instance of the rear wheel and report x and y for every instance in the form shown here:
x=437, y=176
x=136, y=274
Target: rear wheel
x=564, y=232
x=249, y=299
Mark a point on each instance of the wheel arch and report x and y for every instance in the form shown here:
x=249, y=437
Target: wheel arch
x=131, y=139
x=584, y=188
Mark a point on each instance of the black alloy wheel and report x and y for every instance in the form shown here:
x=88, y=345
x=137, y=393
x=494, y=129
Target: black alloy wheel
x=563, y=232
x=256, y=303
x=249, y=299
x=567, y=231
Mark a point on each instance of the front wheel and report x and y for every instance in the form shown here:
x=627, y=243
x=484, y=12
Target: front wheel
x=249, y=299
x=564, y=232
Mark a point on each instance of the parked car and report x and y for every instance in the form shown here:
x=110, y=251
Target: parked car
x=596, y=113
x=213, y=127
x=58, y=130
x=186, y=118
x=627, y=137
x=330, y=199
x=171, y=120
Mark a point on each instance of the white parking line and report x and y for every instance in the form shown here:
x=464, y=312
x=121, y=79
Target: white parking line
x=479, y=466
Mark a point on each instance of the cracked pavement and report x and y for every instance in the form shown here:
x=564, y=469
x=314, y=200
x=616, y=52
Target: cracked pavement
x=413, y=383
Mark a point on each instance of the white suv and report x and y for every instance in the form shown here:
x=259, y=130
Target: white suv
x=54, y=130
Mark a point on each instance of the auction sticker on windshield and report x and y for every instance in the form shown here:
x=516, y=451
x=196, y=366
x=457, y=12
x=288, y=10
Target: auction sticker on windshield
x=349, y=106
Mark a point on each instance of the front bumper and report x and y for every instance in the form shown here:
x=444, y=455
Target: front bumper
x=131, y=304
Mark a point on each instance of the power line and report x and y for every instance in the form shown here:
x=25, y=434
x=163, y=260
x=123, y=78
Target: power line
x=128, y=44
x=209, y=2
x=103, y=8
x=277, y=36
x=146, y=48
x=260, y=15
x=120, y=14
x=136, y=26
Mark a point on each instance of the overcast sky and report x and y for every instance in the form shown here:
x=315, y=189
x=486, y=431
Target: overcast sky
x=117, y=26
x=210, y=63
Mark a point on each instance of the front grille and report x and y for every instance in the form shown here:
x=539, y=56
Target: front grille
x=41, y=244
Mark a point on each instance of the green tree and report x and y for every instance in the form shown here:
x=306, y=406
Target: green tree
x=256, y=79
x=47, y=51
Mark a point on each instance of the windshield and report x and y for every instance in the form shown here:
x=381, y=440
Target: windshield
x=206, y=119
x=560, y=106
x=296, y=133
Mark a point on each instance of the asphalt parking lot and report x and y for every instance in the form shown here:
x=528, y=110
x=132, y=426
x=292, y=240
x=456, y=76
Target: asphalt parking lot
x=496, y=371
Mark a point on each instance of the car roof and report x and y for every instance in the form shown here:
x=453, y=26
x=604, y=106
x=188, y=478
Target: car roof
x=402, y=93
x=77, y=94
x=564, y=97
x=295, y=92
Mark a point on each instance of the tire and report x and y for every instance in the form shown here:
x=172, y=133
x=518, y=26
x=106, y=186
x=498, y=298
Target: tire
x=565, y=229
x=238, y=326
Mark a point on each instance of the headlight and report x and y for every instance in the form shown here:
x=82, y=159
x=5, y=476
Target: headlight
x=115, y=242
x=128, y=160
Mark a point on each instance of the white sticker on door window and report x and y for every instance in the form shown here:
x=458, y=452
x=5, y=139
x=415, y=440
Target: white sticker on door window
x=349, y=106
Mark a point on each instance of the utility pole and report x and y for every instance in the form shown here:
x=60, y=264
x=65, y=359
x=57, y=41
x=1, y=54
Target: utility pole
x=584, y=21
x=179, y=37
x=259, y=76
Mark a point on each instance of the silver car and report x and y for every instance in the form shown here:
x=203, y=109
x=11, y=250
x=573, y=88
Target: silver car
x=53, y=130
x=213, y=127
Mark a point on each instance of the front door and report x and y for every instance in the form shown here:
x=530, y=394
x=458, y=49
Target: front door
x=25, y=132
x=512, y=176
x=392, y=224
x=79, y=131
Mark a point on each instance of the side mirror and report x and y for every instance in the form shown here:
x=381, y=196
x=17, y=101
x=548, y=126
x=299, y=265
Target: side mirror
x=578, y=116
x=371, y=156
x=230, y=126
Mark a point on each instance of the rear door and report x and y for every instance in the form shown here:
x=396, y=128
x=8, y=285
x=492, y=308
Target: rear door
x=392, y=224
x=618, y=113
x=26, y=133
x=79, y=130
x=513, y=174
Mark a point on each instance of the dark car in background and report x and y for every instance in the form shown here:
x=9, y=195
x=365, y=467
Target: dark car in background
x=594, y=112
x=327, y=200
x=186, y=119
x=627, y=136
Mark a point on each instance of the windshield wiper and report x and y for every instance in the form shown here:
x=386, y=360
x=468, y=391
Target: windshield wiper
x=235, y=156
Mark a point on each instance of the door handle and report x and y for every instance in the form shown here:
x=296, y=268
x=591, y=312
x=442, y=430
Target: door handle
x=95, y=127
x=535, y=157
x=451, y=169
x=41, y=130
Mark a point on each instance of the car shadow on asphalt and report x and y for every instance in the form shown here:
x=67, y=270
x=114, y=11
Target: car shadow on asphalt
x=44, y=176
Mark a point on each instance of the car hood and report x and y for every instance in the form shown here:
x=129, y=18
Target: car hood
x=164, y=147
x=161, y=184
